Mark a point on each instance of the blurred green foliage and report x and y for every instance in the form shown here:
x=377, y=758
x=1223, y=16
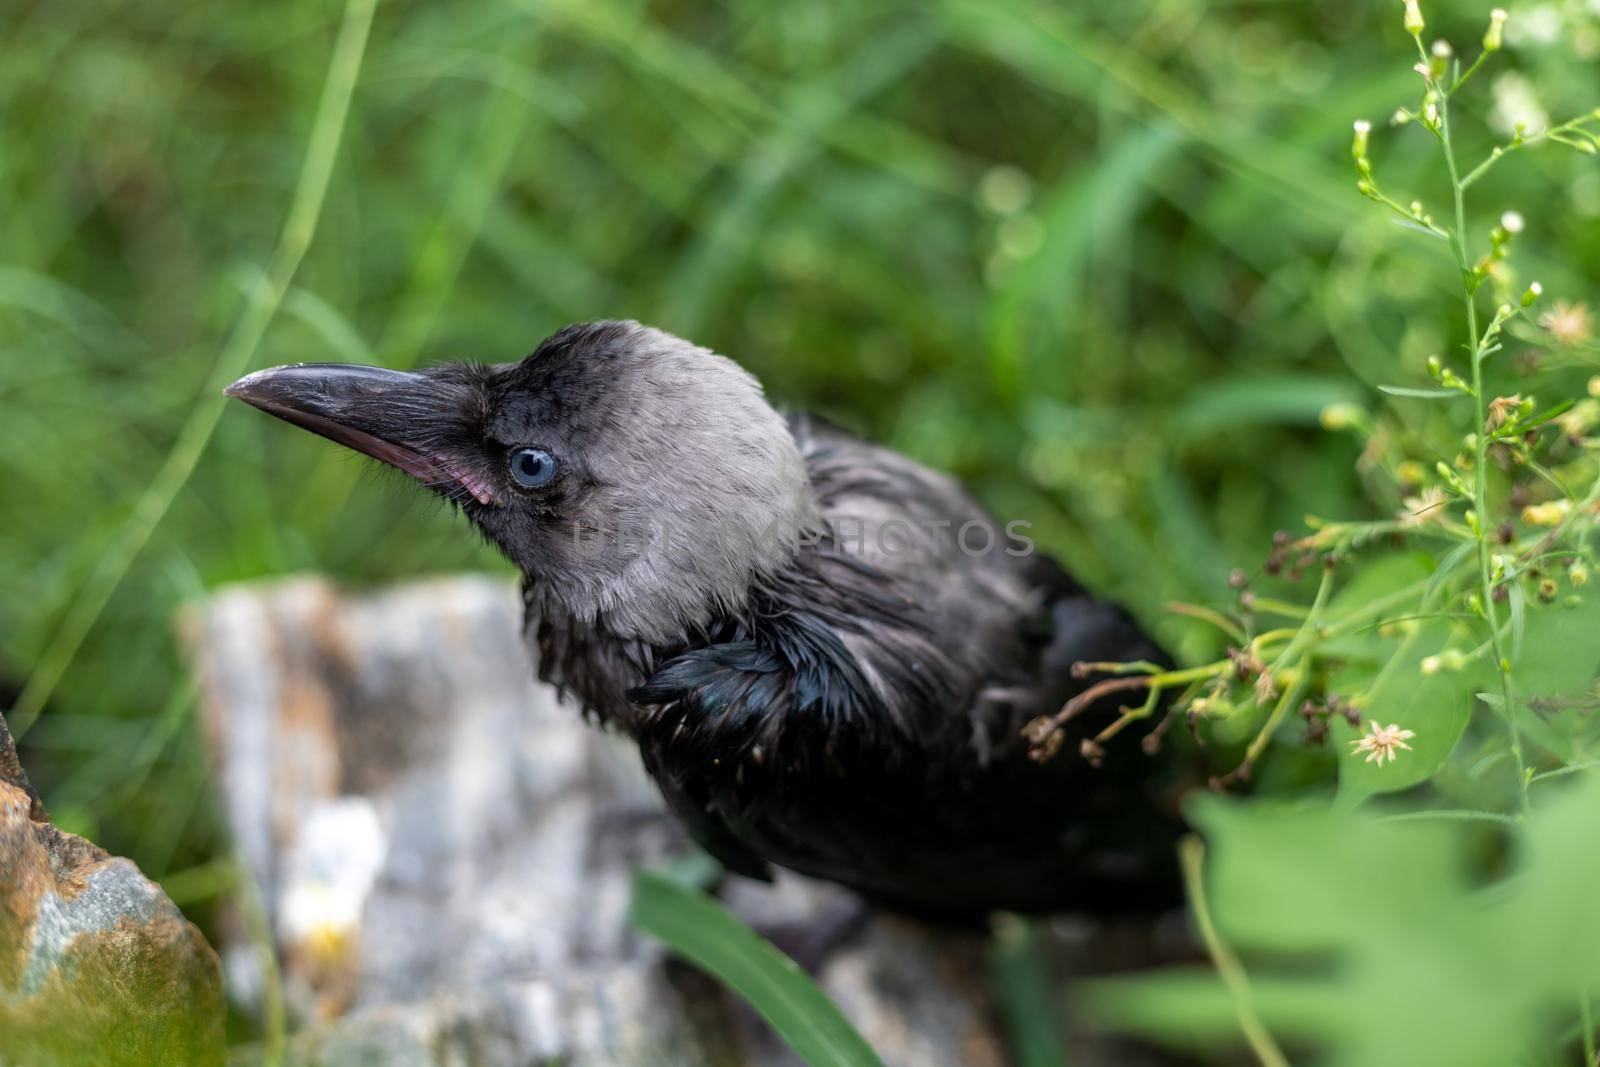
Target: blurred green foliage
x=1378, y=948
x=1104, y=262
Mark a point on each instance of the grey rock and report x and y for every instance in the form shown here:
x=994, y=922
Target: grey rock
x=445, y=849
x=97, y=966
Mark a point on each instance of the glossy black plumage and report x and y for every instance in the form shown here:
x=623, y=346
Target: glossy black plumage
x=768, y=741
x=806, y=690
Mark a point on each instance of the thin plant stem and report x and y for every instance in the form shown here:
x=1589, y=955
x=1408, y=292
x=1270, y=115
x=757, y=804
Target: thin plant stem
x=1192, y=852
x=1586, y=1012
x=1553, y=133
x=1480, y=490
x=299, y=227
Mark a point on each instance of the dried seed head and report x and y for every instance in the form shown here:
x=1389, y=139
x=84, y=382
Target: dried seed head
x=1501, y=408
x=1570, y=323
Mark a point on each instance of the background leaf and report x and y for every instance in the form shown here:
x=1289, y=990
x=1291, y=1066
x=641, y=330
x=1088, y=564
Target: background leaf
x=702, y=931
x=1436, y=706
x=1367, y=941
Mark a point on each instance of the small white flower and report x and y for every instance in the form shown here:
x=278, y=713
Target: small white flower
x=1517, y=110
x=1380, y=742
x=1512, y=222
x=1362, y=126
x=1442, y=49
x=1538, y=26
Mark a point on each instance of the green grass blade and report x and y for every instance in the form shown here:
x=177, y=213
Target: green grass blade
x=707, y=934
x=300, y=225
x=1023, y=986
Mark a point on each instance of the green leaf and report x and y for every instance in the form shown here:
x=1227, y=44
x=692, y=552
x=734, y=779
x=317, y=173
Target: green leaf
x=1420, y=394
x=1378, y=577
x=1371, y=942
x=1434, y=706
x=1447, y=566
x=704, y=932
x=1256, y=399
x=1027, y=999
x=1551, y=670
x=1561, y=649
x=1417, y=227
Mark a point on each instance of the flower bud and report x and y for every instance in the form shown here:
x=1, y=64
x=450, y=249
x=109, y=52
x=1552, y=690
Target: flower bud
x=1358, y=147
x=1532, y=293
x=1550, y=514
x=1493, y=36
x=1578, y=573
x=1413, y=20
x=1341, y=416
x=1451, y=659
x=1512, y=222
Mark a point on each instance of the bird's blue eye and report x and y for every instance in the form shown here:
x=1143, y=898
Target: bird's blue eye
x=532, y=468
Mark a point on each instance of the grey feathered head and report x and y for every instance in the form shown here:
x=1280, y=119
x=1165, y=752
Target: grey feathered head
x=638, y=480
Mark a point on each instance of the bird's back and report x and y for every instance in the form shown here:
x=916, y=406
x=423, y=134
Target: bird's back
x=862, y=721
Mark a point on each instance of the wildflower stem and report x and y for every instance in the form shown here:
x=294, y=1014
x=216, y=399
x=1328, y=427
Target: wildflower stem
x=1480, y=486
x=1468, y=73
x=1586, y=1013
x=1192, y=852
x=261, y=307
x=1553, y=133
x=1290, y=697
x=1282, y=667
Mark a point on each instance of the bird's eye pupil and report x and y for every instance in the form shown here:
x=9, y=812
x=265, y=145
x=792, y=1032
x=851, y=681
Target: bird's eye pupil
x=532, y=467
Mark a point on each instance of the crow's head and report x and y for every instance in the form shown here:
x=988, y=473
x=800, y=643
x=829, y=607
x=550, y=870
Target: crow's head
x=636, y=479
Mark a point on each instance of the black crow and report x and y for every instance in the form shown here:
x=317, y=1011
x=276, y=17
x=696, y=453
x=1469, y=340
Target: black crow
x=826, y=653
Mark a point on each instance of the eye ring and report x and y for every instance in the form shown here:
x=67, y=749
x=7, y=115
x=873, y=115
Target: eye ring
x=531, y=468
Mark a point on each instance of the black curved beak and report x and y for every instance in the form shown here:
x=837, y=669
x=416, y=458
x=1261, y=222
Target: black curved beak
x=382, y=413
